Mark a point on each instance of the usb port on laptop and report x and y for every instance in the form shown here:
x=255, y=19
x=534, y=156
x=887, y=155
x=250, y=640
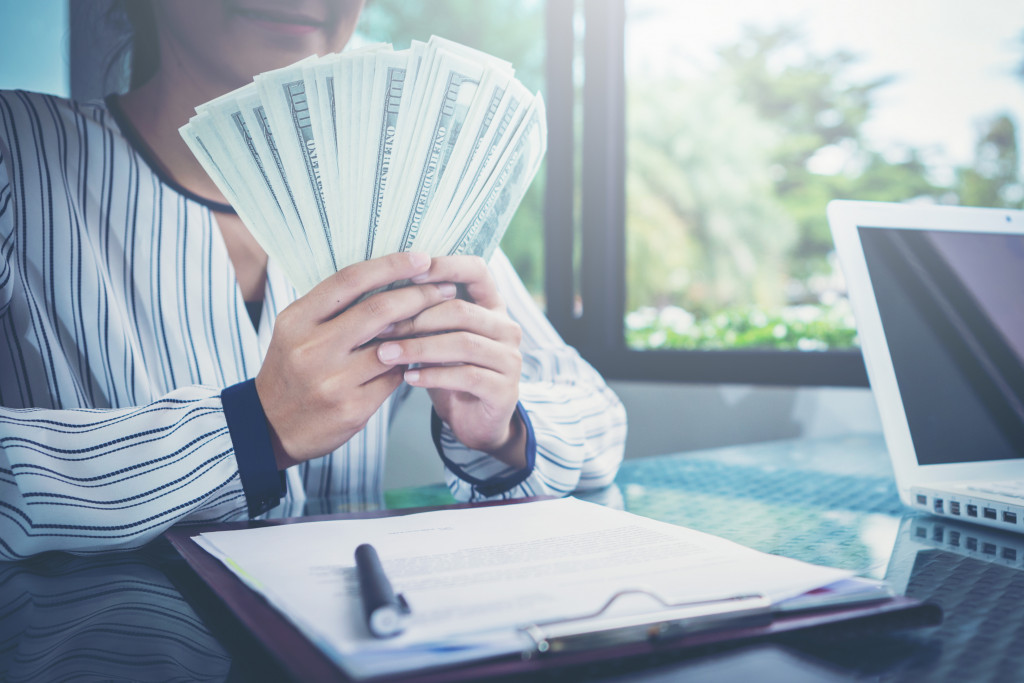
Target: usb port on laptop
x=954, y=507
x=938, y=505
x=922, y=499
x=1010, y=517
x=990, y=513
x=972, y=510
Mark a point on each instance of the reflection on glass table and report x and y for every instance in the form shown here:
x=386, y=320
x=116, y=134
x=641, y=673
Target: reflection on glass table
x=114, y=617
x=977, y=575
x=826, y=501
x=143, y=616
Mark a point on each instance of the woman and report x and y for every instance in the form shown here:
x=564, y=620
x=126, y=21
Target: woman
x=137, y=392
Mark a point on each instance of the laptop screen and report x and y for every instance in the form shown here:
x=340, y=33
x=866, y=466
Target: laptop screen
x=952, y=307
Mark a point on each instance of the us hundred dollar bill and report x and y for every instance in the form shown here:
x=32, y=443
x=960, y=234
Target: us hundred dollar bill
x=345, y=157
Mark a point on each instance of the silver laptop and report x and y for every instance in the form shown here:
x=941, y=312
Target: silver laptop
x=938, y=298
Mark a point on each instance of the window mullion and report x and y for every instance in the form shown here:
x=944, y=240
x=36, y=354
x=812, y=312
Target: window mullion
x=559, y=99
x=604, y=260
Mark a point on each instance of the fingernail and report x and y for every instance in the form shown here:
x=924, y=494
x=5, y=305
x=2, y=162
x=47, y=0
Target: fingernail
x=389, y=352
x=412, y=376
x=419, y=259
x=389, y=329
x=447, y=290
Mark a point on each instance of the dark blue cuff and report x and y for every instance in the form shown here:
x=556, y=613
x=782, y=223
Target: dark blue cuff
x=496, y=484
x=264, y=486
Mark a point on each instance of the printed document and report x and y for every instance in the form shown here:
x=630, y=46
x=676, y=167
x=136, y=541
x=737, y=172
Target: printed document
x=475, y=577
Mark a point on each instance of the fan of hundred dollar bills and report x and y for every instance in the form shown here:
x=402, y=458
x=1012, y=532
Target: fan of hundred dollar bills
x=346, y=157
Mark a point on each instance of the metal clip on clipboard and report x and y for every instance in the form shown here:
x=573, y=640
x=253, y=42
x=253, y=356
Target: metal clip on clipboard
x=670, y=621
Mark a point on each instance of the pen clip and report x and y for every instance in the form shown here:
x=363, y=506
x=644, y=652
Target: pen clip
x=403, y=605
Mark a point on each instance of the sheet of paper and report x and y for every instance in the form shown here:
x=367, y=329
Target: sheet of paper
x=473, y=576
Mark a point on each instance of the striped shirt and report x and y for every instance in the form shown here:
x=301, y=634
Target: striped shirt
x=121, y=322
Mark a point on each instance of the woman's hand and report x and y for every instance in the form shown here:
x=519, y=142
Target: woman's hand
x=468, y=357
x=321, y=380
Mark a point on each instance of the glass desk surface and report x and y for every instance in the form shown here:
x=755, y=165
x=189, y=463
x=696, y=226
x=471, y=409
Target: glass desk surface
x=831, y=501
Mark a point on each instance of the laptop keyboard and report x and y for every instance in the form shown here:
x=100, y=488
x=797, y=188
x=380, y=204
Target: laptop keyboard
x=1013, y=489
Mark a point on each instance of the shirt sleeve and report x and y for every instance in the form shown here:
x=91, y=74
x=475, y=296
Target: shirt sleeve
x=5, y=218
x=576, y=424
x=87, y=480
x=94, y=480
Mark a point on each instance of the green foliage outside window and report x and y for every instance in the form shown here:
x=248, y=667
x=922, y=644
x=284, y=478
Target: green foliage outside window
x=726, y=222
x=793, y=328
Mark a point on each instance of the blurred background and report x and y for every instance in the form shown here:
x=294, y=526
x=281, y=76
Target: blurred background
x=699, y=275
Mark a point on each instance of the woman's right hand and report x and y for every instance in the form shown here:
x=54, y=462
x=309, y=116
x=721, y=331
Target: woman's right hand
x=321, y=380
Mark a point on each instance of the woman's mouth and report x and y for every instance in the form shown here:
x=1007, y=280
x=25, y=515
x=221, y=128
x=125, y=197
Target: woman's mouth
x=280, y=22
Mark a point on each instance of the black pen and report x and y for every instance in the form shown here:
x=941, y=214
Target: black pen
x=385, y=611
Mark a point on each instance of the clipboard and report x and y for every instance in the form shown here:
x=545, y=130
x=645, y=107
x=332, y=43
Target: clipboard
x=672, y=628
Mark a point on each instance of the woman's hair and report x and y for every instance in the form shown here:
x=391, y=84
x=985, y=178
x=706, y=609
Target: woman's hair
x=139, y=48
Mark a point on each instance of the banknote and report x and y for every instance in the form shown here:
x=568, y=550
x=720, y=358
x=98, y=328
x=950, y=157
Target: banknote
x=254, y=201
x=446, y=114
x=287, y=108
x=491, y=138
x=319, y=80
x=485, y=222
x=344, y=157
x=384, y=104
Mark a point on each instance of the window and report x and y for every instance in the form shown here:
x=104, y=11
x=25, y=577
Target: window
x=714, y=135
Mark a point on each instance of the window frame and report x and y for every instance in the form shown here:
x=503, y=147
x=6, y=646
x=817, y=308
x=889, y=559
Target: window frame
x=599, y=331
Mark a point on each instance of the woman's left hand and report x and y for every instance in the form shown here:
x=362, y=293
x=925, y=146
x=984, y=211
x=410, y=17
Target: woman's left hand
x=467, y=353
